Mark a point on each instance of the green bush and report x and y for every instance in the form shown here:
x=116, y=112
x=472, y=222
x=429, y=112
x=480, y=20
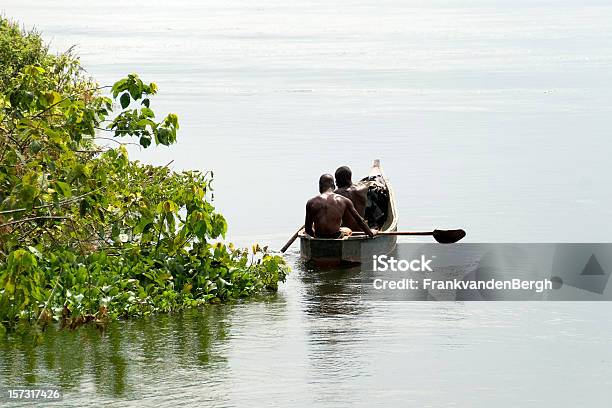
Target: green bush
x=85, y=233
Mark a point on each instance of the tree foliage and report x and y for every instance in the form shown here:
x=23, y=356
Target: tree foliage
x=86, y=233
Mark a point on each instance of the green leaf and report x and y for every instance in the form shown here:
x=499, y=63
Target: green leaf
x=83, y=208
x=35, y=146
x=125, y=100
x=118, y=87
x=135, y=90
x=35, y=251
x=52, y=98
x=145, y=141
x=142, y=224
x=147, y=113
x=115, y=231
x=63, y=188
x=33, y=69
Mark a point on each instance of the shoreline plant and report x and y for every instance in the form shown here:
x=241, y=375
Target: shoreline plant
x=86, y=234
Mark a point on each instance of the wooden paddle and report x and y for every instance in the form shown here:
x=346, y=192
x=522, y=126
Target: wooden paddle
x=293, y=238
x=442, y=236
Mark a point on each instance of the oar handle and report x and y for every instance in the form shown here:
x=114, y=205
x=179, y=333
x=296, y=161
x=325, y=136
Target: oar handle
x=292, y=239
x=405, y=233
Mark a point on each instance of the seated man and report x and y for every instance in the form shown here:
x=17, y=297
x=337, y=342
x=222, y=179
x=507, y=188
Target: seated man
x=328, y=211
x=357, y=193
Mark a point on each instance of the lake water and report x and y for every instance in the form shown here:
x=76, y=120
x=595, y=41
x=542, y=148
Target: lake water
x=492, y=116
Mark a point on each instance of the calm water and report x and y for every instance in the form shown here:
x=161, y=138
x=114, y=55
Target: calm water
x=487, y=115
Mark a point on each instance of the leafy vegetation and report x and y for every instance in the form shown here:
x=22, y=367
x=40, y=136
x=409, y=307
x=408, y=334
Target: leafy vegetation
x=85, y=233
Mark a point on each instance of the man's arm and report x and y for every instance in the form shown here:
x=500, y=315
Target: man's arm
x=364, y=226
x=308, y=220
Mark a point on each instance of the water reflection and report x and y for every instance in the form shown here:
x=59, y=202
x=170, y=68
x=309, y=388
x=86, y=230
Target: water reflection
x=116, y=360
x=318, y=342
x=336, y=314
x=332, y=292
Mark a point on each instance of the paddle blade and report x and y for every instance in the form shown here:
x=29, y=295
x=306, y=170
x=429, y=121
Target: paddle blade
x=448, y=236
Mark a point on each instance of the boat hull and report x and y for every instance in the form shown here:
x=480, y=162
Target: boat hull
x=347, y=251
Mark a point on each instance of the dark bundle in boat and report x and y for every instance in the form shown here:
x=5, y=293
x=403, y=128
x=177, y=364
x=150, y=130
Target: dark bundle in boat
x=377, y=201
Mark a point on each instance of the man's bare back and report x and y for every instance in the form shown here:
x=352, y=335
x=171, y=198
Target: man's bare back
x=357, y=193
x=328, y=211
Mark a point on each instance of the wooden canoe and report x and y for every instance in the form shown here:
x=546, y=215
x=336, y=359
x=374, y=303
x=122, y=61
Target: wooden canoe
x=356, y=247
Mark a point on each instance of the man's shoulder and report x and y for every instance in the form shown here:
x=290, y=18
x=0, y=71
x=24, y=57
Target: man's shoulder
x=353, y=188
x=342, y=198
x=341, y=190
x=318, y=199
x=313, y=201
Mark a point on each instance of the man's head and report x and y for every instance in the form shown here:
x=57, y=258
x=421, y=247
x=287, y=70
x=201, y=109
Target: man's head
x=326, y=182
x=343, y=177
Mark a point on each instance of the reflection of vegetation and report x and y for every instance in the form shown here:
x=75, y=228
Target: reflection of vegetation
x=119, y=359
x=85, y=233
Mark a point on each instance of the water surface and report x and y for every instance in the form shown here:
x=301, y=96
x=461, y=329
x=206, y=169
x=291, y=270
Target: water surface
x=487, y=115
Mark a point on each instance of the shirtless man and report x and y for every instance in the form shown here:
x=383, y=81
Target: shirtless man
x=328, y=211
x=357, y=193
